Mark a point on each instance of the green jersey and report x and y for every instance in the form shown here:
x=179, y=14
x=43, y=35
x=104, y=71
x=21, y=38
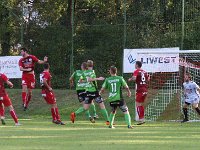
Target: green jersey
x=91, y=86
x=76, y=75
x=114, y=85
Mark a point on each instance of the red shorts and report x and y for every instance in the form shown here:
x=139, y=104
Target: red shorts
x=5, y=100
x=49, y=97
x=140, y=97
x=29, y=80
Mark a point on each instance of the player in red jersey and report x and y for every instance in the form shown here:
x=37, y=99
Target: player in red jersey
x=5, y=100
x=141, y=78
x=27, y=65
x=48, y=95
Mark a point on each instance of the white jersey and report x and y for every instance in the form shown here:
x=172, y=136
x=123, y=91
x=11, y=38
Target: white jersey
x=190, y=92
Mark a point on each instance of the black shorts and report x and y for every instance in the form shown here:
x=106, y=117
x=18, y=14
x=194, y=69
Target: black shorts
x=81, y=95
x=93, y=96
x=121, y=104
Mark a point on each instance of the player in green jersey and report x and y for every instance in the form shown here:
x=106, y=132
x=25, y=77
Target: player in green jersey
x=114, y=85
x=92, y=92
x=80, y=88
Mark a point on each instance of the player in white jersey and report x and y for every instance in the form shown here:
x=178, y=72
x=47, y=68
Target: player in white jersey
x=192, y=97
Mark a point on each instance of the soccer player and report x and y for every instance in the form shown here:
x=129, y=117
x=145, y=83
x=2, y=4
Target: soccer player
x=80, y=88
x=48, y=94
x=191, y=93
x=5, y=100
x=92, y=92
x=114, y=84
x=27, y=64
x=141, y=78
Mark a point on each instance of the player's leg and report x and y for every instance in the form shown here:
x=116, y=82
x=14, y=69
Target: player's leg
x=123, y=107
x=195, y=107
x=24, y=94
x=2, y=113
x=56, y=115
x=93, y=108
x=112, y=115
x=140, y=97
x=185, y=112
x=28, y=98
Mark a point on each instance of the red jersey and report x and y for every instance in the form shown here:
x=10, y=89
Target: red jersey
x=28, y=62
x=141, y=80
x=3, y=79
x=45, y=75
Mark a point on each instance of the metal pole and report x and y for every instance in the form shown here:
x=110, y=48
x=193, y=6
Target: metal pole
x=22, y=25
x=183, y=24
x=72, y=39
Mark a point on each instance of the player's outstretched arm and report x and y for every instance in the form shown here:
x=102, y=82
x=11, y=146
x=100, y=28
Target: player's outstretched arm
x=133, y=78
x=9, y=84
x=25, y=69
x=95, y=79
x=43, y=61
x=46, y=84
x=128, y=91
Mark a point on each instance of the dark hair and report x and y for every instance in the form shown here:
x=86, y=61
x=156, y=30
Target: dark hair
x=189, y=75
x=139, y=64
x=113, y=69
x=84, y=65
x=90, y=63
x=46, y=66
x=24, y=49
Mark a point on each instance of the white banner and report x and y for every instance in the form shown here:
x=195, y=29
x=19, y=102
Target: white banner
x=153, y=60
x=9, y=66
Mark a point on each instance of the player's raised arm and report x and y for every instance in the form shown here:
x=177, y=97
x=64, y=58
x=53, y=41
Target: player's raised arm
x=43, y=61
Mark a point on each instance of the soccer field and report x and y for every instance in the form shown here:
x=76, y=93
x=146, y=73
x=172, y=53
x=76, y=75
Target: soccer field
x=42, y=134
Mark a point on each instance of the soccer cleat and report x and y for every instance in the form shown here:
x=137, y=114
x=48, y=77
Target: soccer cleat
x=25, y=108
x=73, y=116
x=62, y=123
x=3, y=122
x=96, y=117
x=184, y=120
x=17, y=124
x=140, y=122
x=107, y=123
x=130, y=127
x=92, y=120
x=56, y=121
x=112, y=127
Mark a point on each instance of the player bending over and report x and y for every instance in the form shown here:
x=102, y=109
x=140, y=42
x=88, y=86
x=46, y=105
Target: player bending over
x=114, y=85
x=141, y=78
x=5, y=100
x=48, y=95
x=191, y=93
x=81, y=89
x=92, y=92
x=27, y=65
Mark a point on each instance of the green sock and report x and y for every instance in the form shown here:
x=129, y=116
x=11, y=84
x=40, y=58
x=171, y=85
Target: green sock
x=80, y=110
x=112, y=117
x=105, y=114
x=128, y=119
x=87, y=112
x=93, y=109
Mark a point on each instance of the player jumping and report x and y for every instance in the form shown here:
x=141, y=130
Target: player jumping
x=48, y=95
x=114, y=84
x=27, y=64
x=140, y=77
x=191, y=93
x=5, y=100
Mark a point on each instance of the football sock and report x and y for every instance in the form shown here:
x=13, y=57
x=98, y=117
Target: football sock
x=88, y=113
x=93, y=107
x=105, y=114
x=53, y=113
x=14, y=116
x=28, y=100
x=80, y=110
x=128, y=119
x=185, y=112
x=57, y=114
x=112, y=117
x=24, y=97
x=198, y=110
x=140, y=111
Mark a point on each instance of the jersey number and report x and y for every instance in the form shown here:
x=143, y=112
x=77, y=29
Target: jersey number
x=114, y=87
x=143, y=79
x=41, y=80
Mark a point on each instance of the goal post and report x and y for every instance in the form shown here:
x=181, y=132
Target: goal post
x=165, y=94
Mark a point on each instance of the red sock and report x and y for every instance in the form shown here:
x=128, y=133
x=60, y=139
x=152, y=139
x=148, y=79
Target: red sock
x=28, y=100
x=53, y=113
x=2, y=111
x=140, y=111
x=24, y=98
x=57, y=114
x=14, y=116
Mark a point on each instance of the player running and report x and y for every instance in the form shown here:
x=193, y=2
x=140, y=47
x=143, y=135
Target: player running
x=80, y=88
x=141, y=78
x=114, y=85
x=48, y=95
x=191, y=93
x=5, y=100
x=92, y=92
x=27, y=65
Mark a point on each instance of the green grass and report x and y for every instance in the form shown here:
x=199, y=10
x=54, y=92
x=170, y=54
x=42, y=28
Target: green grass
x=38, y=133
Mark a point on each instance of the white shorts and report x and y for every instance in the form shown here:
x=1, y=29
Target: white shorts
x=193, y=100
